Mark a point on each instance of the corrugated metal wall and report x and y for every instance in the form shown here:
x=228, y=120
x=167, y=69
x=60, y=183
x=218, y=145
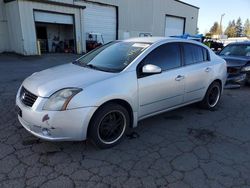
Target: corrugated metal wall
x=100, y=19
x=135, y=16
x=14, y=27
x=4, y=34
x=170, y=7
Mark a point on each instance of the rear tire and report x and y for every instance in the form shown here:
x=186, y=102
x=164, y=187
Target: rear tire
x=212, y=96
x=108, y=125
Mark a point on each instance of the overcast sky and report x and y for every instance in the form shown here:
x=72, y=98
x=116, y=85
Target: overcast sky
x=211, y=11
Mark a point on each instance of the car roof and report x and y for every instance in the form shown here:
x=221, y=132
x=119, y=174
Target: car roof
x=153, y=39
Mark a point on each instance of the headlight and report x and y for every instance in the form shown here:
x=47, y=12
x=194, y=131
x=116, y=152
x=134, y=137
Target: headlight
x=60, y=100
x=245, y=69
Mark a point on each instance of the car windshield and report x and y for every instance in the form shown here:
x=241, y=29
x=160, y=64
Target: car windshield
x=236, y=50
x=112, y=57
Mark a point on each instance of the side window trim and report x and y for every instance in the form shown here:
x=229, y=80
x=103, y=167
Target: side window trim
x=142, y=61
x=207, y=59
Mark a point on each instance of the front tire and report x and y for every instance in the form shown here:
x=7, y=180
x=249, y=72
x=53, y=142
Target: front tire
x=212, y=96
x=108, y=125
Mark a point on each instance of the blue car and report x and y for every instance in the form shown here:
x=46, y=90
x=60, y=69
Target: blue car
x=237, y=56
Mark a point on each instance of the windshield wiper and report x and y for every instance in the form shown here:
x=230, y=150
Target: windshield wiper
x=86, y=65
x=91, y=66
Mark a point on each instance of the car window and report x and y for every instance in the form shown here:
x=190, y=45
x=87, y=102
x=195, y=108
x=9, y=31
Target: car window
x=166, y=56
x=113, y=57
x=194, y=54
x=236, y=50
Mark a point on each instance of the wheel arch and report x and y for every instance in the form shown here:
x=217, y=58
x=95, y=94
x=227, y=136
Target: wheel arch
x=121, y=102
x=216, y=80
x=219, y=81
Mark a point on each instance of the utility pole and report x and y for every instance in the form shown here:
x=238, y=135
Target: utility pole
x=221, y=30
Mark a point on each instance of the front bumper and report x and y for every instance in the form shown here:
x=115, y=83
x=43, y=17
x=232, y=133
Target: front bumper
x=238, y=79
x=66, y=125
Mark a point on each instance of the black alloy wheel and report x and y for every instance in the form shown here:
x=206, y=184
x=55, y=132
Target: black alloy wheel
x=212, y=97
x=108, y=125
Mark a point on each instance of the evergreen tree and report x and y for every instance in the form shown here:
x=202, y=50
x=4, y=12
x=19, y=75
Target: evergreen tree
x=215, y=29
x=231, y=29
x=239, y=28
x=247, y=28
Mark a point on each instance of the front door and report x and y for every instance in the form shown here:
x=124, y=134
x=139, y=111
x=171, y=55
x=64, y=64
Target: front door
x=158, y=92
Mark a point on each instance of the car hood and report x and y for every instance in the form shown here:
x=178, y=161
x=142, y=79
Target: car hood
x=236, y=61
x=48, y=81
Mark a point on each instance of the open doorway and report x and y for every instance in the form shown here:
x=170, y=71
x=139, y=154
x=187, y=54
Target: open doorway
x=55, y=38
x=41, y=32
x=55, y=32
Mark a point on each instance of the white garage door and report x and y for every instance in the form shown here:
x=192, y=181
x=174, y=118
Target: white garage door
x=48, y=17
x=100, y=19
x=174, y=26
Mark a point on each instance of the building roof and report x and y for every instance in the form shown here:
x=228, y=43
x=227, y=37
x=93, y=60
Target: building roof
x=187, y=4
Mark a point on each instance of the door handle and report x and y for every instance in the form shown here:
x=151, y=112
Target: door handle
x=179, y=78
x=208, y=69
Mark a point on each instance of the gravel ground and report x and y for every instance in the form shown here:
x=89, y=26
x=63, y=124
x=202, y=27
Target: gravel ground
x=188, y=147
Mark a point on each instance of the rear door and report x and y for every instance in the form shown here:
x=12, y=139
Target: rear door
x=199, y=70
x=158, y=92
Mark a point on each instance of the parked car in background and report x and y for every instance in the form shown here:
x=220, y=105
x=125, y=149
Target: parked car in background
x=111, y=88
x=215, y=45
x=237, y=56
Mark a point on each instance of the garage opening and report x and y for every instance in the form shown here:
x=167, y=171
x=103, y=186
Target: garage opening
x=55, y=32
x=174, y=26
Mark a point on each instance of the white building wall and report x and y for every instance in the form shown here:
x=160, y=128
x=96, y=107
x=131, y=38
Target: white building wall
x=4, y=33
x=170, y=7
x=148, y=16
x=14, y=27
x=134, y=17
x=100, y=19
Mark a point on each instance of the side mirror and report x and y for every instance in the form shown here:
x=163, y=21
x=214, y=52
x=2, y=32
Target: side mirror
x=151, y=69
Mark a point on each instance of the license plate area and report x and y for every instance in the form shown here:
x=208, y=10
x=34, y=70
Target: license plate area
x=19, y=111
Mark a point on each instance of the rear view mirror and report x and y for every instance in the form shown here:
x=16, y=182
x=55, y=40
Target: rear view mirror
x=151, y=69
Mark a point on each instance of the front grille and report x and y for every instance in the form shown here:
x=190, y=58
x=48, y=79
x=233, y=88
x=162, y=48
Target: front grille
x=27, y=97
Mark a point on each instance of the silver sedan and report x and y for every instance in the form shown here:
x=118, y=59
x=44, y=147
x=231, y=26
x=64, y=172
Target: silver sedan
x=105, y=92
